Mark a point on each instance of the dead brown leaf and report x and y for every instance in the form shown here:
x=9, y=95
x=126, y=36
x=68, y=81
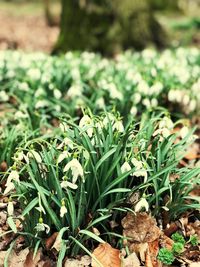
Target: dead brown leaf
x=107, y=256
x=83, y=262
x=49, y=242
x=140, y=228
x=131, y=260
x=32, y=262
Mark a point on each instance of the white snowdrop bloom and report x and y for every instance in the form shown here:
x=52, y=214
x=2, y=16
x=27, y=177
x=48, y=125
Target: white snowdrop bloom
x=143, y=87
x=192, y=105
x=34, y=74
x=23, y=87
x=34, y=154
x=142, y=203
x=75, y=73
x=156, y=88
x=75, y=168
x=39, y=92
x=20, y=115
x=163, y=132
x=74, y=91
x=118, y=126
x=41, y=104
x=66, y=142
x=146, y=102
x=86, y=121
x=153, y=72
x=171, y=95
x=3, y=96
x=136, y=98
x=166, y=123
x=142, y=173
x=133, y=110
x=138, y=164
x=10, y=187
x=184, y=132
x=63, y=209
x=10, y=208
x=57, y=93
x=100, y=103
x=63, y=127
x=41, y=227
x=110, y=118
x=125, y=167
x=62, y=156
x=13, y=176
x=154, y=102
x=114, y=92
x=186, y=99
x=137, y=78
x=65, y=184
x=10, y=74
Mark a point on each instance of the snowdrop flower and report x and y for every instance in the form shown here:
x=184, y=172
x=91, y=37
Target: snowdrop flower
x=184, y=132
x=192, y=105
x=110, y=118
x=133, y=111
x=140, y=171
x=86, y=121
x=13, y=176
x=100, y=103
x=118, y=126
x=142, y=203
x=138, y=164
x=63, y=127
x=10, y=208
x=74, y=91
x=41, y=104
x=57, y=94
x=66, y=142
x=75, y=168
x=166, y=123
x=20, y=115
x=143, y=87
x=63, y=209
x=163, y=132
x=125, y=167
x=114, y=92
x=34, y=74
x=136, y=98
x=62, y=156
x=35, y=155
x=41, y=227
x=146, y=102
x=24, y=87
x=3, y=96
x=154, y=102
x=65, y=184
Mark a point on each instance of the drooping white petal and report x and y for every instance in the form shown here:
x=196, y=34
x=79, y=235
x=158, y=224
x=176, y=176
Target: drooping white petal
x=141, y=204
x=125, y=167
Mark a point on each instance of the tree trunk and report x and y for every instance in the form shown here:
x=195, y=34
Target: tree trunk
x=107, y=26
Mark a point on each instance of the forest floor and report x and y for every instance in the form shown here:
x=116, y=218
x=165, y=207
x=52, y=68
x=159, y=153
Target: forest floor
x=23, y=27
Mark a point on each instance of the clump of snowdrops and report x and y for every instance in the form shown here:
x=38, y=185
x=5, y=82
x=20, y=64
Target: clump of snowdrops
x=93, y=171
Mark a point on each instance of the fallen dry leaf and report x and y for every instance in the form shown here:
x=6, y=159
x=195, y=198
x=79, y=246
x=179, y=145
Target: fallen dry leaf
x=131, y=260
x=83, y=262
x=50, y=241
x=153, y=252
x=107, y=256
x=148, y=261
x=30, y=262
x=140, y=228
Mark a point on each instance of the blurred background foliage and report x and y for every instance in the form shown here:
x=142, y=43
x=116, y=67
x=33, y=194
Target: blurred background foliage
x=110, y=26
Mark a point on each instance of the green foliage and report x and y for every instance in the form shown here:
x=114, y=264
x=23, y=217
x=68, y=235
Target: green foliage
x=176, y=237
x=194, y=240
x=177, y=248
x=166, y=256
